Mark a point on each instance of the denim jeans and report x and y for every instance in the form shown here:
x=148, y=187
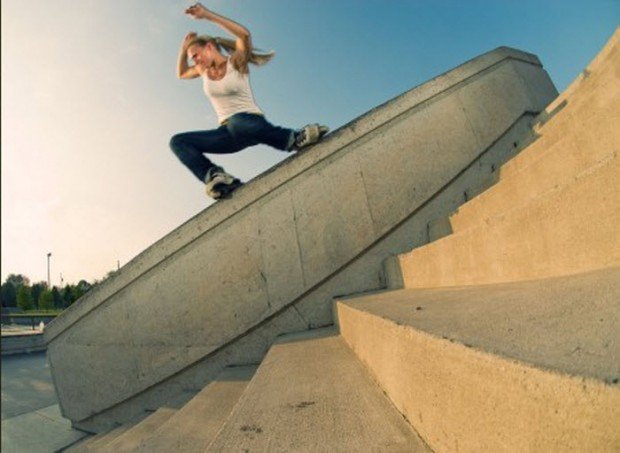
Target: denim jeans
x=239, y=132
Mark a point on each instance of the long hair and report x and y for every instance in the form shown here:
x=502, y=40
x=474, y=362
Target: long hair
x=257, y=56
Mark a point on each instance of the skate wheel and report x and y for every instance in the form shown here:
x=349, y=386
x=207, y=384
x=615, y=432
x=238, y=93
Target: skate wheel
x=226, y=190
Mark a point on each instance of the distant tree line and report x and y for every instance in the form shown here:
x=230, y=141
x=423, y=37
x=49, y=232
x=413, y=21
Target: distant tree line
x=16, y=291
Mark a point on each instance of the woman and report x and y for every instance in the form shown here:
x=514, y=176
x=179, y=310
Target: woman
x=226, y=83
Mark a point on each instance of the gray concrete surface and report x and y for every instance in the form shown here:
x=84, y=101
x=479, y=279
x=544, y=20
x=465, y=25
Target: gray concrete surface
x=41, y=431
x=31, y=419
x=287, y=247
x=312, y=394
x=26, y=384
x=22, y=342
x=132, y=438
x=93, y=443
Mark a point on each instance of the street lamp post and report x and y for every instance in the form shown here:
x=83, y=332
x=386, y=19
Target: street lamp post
x=49, y=285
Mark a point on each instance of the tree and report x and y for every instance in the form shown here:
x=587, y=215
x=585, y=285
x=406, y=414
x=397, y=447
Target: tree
x=8, y=294
x=82, y=288
x=56, y=297
x=17, y=280
x=67, y=296
x=46, y=300
x=24, y=298
x=37, y=290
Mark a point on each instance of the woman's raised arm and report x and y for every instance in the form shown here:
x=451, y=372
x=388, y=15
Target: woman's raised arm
x=243, y=43
x=184, y=70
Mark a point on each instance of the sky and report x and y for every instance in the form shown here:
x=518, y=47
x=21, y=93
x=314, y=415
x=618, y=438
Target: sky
x=90, y=100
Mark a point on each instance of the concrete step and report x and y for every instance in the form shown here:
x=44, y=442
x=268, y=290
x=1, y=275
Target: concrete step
x=134, y=436
x=584, y=81
x=312, y=394
x=528, y=366
x=596, y=86
x=569, y=229
x=555, y=167
x=197, y=423
x=93, y=443
x=579, y=127
x=590, y=126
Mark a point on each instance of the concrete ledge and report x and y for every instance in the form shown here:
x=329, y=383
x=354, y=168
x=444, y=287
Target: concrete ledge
x=513, y=367
x=23, y=343
x=270, y=260
x=265, y=183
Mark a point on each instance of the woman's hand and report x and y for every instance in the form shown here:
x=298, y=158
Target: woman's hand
x=198, y=11
x=188, y=38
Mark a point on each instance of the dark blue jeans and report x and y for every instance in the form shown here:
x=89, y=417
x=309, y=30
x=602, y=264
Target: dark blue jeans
x=239, y=132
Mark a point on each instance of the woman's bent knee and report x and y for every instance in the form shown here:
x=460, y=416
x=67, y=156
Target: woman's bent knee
x=176, y=142
x=179, y=146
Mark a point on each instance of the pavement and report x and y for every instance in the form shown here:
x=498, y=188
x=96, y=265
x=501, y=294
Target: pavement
x=31, y=419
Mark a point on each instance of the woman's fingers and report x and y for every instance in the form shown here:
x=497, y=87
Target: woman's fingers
x=196, y=10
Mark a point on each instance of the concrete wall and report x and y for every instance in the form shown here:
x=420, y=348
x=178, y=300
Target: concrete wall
x=20, y=344
x=271, y=259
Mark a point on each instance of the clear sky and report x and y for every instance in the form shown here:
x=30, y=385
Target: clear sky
x=90, y=100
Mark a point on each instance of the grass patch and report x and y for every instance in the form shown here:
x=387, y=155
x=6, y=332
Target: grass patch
x=33, y=313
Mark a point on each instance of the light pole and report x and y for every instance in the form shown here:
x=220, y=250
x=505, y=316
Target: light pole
x=49, y=286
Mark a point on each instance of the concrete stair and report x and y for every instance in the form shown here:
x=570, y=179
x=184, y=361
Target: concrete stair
x=197, y=423
x=551, y=210
x=190, y=429
x=312, y=394
x=93, y=443
x=527, y=366
x=130, y=439
x=569, y=229
x=125, y=438
x=505, y=336
x=572, y=140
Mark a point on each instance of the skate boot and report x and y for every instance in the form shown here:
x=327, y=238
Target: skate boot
x=309, y=135
x=220, y=184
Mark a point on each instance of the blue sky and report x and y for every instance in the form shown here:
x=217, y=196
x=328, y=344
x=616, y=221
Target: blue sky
x=90, y=100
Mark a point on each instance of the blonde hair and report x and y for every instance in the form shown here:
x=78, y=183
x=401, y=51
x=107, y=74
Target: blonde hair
x=257, y=56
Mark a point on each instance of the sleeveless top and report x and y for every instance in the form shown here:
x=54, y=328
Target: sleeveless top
x=230, y=95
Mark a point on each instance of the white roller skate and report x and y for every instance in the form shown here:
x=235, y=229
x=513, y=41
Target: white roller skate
x=309, y=135
x=220, y=184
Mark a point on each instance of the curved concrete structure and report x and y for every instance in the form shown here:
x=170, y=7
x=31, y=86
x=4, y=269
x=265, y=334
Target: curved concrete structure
x=220, y=288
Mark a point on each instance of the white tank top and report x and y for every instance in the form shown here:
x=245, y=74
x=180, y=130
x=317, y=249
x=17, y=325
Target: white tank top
x=230, y=95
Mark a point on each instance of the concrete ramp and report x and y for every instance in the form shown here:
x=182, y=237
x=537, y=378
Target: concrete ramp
x=217, y=290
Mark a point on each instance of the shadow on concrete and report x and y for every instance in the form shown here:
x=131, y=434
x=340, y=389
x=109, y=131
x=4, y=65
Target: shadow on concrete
x=26, y=384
